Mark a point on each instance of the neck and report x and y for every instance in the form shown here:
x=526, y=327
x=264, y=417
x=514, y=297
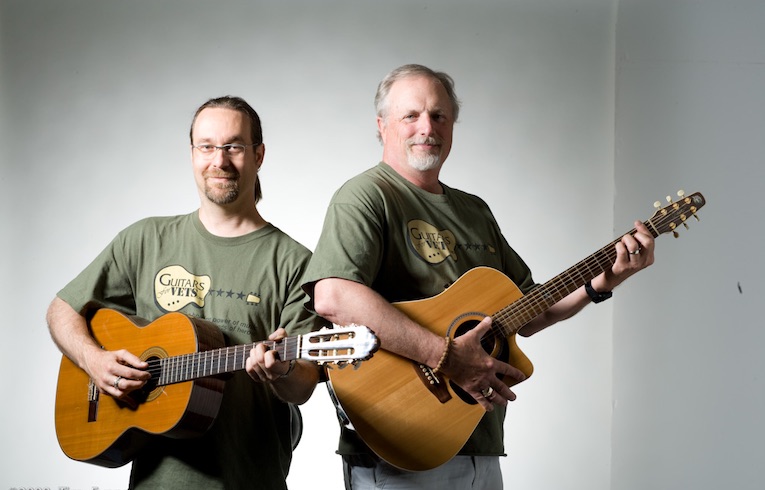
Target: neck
x=225, y=221
x=424, y=179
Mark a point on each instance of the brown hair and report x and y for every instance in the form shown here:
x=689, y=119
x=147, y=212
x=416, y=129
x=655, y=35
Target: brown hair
x=240, y=105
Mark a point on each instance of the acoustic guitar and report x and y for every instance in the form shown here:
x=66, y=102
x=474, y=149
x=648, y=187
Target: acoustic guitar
x=186, y=357
x=416, y=419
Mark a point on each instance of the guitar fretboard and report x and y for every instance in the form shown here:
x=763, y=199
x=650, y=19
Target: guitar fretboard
x=510, y=319
x=187, y=367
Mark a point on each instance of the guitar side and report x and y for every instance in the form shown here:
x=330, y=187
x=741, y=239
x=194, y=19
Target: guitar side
x=404, y=419
x=97, y=428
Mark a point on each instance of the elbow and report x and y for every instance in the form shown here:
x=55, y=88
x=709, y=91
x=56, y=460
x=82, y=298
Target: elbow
x=325, y=299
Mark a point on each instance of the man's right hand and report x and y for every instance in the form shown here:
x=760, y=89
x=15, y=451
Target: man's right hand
x=475, y=371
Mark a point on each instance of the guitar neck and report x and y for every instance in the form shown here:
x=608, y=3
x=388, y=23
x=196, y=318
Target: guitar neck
x=187, y=367
x=511, y=318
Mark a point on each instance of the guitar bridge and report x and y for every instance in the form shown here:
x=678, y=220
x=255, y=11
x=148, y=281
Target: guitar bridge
x=435, y=382
x=93, y=394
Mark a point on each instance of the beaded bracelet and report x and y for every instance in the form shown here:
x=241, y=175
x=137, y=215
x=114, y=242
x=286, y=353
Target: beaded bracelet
x=442, y=361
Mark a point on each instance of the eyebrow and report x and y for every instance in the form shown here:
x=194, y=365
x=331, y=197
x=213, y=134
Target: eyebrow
x=234, y=140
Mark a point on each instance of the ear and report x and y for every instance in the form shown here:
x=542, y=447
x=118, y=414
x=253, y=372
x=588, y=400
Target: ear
x=260, y=154
x=381, y=127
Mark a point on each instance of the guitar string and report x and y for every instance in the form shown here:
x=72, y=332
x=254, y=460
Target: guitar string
x=193, y=365
x=511, y=318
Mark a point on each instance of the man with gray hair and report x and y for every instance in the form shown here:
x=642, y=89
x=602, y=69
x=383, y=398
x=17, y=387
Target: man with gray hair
x=397, y=233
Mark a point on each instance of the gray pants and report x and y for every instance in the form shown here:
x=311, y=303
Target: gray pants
x=461, y=472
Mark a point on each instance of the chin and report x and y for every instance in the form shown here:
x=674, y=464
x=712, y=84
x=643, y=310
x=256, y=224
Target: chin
x=431, y=162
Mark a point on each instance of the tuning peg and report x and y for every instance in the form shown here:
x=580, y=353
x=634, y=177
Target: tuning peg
x=657, y=204
x=681, y=193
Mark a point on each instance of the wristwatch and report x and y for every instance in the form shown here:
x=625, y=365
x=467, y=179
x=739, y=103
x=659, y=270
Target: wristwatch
x=595, y=296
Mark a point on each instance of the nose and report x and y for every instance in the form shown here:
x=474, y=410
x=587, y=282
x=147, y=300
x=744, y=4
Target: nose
x=219, y=158
x=425, y=126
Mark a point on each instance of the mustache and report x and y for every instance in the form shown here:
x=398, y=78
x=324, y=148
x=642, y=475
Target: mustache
x=221, y=174
x=429, y=140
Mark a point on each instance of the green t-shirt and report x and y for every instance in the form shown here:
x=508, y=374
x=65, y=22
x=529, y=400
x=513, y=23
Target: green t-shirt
x=248, y=286
x=409, y=244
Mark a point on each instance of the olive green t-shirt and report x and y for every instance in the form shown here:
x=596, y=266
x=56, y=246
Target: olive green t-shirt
x=248, y=286
x=408, y=244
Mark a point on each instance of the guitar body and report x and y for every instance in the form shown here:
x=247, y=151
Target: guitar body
x=400, y=415
x=97, y=428
x=417, y=421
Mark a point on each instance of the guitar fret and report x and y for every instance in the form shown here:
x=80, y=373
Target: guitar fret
x=604, y=261
x=188, y=366
x=167, y=370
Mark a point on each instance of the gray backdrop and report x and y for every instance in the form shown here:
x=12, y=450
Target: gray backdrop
x=577, y=116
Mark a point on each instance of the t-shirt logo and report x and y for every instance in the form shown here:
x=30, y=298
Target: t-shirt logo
x=432, y=245
x=175, y=287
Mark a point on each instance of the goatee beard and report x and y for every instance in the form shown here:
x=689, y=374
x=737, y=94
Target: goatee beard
x=423, y=162
x=224, y=193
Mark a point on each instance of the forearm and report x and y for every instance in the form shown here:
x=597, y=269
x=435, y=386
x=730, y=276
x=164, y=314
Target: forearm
x=296, y=386
x=344, y=302
x=562, y=310
x=69, y=331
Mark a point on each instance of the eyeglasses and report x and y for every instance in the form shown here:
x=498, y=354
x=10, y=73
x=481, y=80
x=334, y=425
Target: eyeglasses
x=230, y=150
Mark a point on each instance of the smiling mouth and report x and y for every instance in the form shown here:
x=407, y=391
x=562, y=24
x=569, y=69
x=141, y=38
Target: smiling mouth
x=220, y=176
x=427, y=144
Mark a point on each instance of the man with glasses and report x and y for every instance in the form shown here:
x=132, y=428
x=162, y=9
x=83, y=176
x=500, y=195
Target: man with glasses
x=224, y=263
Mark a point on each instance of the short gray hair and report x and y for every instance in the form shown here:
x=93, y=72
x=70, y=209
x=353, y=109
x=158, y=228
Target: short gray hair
x=413, y=70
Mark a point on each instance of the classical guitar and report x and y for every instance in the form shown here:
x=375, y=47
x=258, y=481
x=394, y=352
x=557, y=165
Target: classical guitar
x=416, y=419
x=185, y=357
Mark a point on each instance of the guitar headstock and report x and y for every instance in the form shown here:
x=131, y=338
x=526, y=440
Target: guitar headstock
x=340, y=345
x=674, y=214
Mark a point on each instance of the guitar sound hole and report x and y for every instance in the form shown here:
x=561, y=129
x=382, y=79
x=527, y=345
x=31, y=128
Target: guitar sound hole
x=496, y=346
x=150, y=390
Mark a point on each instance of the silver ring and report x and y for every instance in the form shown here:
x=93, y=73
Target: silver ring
x=488, y=392
x=116, y=383
x=637, y=251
